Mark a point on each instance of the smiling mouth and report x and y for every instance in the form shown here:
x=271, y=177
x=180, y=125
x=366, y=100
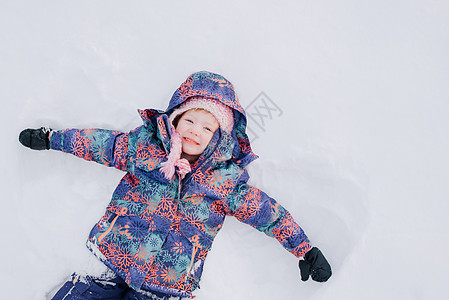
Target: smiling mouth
x=190, y=141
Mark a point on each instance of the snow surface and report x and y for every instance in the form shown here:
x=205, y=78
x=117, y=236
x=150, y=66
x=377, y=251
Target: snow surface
x=359, y=154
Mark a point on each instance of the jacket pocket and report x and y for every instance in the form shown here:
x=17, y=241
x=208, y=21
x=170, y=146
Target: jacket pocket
x=201, y=244
x=123, y=229
x=108, y=229
x=195, y=269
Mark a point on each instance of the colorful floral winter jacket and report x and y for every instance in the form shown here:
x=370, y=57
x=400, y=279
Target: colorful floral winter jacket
x=156, y=233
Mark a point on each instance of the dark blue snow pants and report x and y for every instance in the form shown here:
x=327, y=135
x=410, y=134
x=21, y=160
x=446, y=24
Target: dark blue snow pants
x=115, y=288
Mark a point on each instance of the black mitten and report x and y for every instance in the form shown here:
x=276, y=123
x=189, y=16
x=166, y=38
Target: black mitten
x=36, y=139
x=315, y=265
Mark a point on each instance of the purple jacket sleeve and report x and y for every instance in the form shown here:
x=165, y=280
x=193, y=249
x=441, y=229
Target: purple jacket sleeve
x=253, y=207
x=102, y=146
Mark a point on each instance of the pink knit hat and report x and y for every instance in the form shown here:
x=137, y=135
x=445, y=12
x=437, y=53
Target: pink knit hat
x=224, y=115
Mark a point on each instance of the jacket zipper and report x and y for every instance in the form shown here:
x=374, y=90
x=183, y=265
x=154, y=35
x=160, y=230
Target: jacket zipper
x=194, y=247
x=101, y=237
x=179, y=187
x=193, y=259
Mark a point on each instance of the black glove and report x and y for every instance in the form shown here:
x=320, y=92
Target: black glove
x=36, y=139
x=316, y=265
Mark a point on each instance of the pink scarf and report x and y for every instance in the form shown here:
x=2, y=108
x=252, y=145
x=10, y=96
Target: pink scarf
x=174, y=158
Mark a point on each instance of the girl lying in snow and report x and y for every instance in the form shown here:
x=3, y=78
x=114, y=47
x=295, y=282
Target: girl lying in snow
x=185, y=172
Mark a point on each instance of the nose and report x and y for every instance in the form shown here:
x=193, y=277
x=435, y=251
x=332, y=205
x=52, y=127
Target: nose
x=195, y=130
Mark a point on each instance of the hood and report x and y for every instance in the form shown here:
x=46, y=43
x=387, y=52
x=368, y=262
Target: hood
x=211, y=85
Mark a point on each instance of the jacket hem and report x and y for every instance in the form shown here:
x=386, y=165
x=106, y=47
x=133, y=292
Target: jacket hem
x=145, y=286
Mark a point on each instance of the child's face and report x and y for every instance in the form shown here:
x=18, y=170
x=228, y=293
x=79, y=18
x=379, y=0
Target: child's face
x=196, y=127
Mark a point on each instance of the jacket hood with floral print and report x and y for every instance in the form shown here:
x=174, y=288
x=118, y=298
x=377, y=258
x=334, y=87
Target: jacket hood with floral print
x=211, y=85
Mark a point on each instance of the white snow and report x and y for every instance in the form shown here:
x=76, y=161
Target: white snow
x=359, y=154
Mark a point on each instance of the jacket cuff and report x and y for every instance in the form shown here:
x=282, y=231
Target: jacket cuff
x=56, y=140
x=301, y=249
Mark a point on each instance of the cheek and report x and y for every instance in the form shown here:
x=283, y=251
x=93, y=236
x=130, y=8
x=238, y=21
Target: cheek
x=180, y=128
x=206, y=140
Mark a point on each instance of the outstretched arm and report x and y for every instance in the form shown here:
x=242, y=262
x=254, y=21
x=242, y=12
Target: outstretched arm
x=102, y=146
x=105, y=147
x=252, y=206
x=255, y=208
